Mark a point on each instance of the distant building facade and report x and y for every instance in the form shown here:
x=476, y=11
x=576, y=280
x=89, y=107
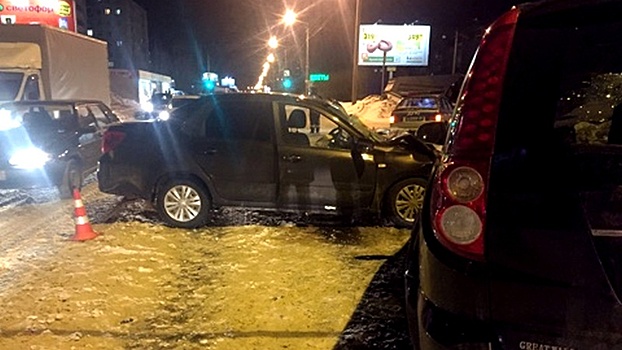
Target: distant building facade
x=123, y=24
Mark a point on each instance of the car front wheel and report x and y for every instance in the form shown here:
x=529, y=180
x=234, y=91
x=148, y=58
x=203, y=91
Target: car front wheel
x=183, y=203
x=405, y=201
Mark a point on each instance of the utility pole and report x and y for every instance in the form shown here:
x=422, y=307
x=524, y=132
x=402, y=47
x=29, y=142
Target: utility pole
x=355, y=48
x=455, y=58
x=306, y=59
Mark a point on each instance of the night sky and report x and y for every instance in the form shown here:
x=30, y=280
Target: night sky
x=229, y=36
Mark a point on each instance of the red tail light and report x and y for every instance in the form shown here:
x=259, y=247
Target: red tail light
x=111, y=139
x=460, y=187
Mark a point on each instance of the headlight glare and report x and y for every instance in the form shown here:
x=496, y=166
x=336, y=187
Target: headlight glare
x=164, y=115
x=7, y=121
x=29, y=158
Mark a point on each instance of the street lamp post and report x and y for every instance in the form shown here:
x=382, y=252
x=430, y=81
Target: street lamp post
x=306, y=58
x=289, y=19
x=355, y=53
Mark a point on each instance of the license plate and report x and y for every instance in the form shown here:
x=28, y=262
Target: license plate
x=2, y=175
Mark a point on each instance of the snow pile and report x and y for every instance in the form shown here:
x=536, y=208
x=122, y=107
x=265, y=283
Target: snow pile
x=124, y=108
x=373, y=110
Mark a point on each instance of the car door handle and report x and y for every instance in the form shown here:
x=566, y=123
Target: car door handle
x=292, y=158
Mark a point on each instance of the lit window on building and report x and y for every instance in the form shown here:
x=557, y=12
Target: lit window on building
x=107, y=11
x=119, y=42
x=89, y=32
x=118, y=11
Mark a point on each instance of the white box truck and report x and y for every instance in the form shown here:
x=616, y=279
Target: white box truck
x=39, y=62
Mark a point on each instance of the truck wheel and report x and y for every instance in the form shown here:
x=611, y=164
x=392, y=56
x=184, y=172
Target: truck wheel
x=183, y=203
x=72, y=178
x=405, y=201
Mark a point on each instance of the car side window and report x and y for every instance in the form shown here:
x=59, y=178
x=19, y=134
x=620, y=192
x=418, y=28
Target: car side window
x=38, y=118
x=86, y=119
x=100, y=116
x=309, y=127
x=233, y=120
x=64, y=117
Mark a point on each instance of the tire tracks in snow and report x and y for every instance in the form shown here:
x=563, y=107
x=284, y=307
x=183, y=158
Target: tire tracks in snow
x=32, y=234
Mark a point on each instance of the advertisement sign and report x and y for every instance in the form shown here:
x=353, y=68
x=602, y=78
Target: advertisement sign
x=55, y=13
x=405, y=45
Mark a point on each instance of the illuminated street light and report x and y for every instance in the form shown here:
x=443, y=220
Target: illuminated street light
x=289, y=19
x=273, y=43
x=271, y=58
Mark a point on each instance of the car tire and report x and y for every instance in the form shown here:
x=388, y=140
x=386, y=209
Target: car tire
x=72, y=178
x=183, y=203
x=405, y=200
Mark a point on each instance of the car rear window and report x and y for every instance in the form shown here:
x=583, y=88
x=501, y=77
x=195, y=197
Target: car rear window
x=418, y=102
x=557, y=146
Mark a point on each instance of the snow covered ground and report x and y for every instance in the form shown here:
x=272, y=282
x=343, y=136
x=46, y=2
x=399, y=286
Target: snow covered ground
x=242, y=283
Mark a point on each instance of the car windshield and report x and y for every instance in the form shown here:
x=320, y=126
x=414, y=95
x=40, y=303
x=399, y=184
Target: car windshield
x=425, y=102
x=35, y=121
x=10, y=83
x=23, y=136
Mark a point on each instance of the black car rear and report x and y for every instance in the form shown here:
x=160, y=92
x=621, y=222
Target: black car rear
x=414, y=110
x=520, y=240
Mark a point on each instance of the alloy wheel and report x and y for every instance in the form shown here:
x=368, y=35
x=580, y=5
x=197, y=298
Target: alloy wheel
x=409, y=201
x=182, y=203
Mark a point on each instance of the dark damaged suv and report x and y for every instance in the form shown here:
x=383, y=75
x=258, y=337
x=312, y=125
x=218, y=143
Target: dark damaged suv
x=519, y=245
x=268, y=151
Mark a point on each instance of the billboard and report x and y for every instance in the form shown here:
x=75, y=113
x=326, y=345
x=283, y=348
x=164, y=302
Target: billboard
x=55, y=13
x=405, y=45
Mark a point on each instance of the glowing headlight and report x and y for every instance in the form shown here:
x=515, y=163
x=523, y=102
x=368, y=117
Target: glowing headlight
x=29, y=158
x=7, y=121
x=147, y=107
x=164, y=115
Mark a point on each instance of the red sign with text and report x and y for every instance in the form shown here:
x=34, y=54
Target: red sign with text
x=54, y=13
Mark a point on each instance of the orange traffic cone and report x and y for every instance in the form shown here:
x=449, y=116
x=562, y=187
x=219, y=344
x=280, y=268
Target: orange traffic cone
x=84, y=231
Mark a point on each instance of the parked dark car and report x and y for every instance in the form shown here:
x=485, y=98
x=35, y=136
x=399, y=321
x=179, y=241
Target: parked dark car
x=519, y=243
x=258, y=151
x=50, y=143
x=416, y=109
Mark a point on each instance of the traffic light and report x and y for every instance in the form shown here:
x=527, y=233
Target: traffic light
x=287, y=83
x=209, y=85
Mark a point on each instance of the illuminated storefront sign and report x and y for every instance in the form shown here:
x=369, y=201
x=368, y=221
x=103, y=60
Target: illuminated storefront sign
x=54, y=13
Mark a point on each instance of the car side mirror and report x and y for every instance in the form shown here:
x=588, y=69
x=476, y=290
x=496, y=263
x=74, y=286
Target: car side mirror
x=434, y=132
